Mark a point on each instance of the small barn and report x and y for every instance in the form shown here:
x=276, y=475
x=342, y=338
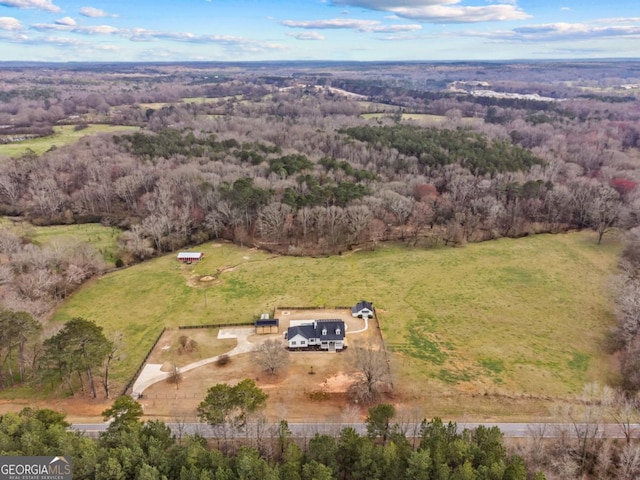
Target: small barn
x=188, y=257
x=362, y=310
x=266, y=325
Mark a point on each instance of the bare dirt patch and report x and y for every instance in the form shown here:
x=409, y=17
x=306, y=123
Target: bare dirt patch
x=208, y=345
x=78, y=410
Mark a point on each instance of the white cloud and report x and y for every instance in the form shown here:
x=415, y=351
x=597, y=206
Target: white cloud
x=352, y=24
x=401, y=38
x=68, y=21
x=459, y=14
x=236, y=44
x=617, y=20
x=574, y=31
x=94, y=12
x=83, y=30
x=560, y=32
x=443, y=11
x=390, y=4
x=40, y=4
x=306, y=35
x=10, y=23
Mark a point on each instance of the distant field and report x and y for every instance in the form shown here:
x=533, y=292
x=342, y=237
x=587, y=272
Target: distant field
x=518, y=317
x=155, y=105
x=211, y=99
x=102, y=238
x=63, y=135
x=421, y=118
x=199, y=100
x=376, y=107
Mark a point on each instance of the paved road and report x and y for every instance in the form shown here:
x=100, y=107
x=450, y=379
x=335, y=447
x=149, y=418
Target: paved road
x=509, y=430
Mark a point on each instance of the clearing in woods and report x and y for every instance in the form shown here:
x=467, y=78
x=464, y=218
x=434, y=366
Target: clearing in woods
x=63, y=135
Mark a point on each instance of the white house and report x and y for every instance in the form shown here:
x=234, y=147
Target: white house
x=325, y=334
x=362, y=309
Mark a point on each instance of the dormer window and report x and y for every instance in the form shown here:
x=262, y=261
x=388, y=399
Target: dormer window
x=337, y=330
x=324, y=331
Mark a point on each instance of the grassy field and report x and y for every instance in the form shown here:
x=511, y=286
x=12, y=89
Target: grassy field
x=63, y=135
x=101, y=237
x=507, y=317
x=425, y=119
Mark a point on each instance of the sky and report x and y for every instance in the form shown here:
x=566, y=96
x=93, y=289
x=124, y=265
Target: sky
x=344, y=30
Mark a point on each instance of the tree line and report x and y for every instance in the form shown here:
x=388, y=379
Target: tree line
x=78, y=356
x=625, y=336
x=130, y=449
x=394, y=445
x=35, y=277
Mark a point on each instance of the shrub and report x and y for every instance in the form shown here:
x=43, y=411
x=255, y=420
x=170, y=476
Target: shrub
x=223, y=360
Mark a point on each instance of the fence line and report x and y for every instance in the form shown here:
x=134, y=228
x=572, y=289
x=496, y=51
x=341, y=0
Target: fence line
x=384, y=346
x=313, y=308
x=222, y=325
x=146, y=357
x=217, y=325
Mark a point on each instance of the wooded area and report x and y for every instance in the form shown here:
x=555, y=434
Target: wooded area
x=283, y=162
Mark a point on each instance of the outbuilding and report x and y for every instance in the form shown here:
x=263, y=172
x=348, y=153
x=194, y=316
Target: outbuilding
x=188, y=257
x=267, y=325
x=362, y=310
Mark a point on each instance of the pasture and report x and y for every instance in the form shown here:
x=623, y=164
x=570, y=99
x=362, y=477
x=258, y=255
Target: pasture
x=102, y=238
x=492, y=322
x=422, y=119
x=63, y=135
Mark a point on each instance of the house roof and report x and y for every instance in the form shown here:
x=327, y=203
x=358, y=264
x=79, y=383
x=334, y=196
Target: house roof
x=315, y=330
x=362, y=305
x=331, y=326
x=307, y=331
x=187, y=255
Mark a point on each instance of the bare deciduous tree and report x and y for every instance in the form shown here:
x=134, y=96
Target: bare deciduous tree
x=271, y=220
x=116, y=346
x=604, y=210
x=629, y=462
x=175, y=376
x=134, y=242
x=271, y=355
x=373, y=369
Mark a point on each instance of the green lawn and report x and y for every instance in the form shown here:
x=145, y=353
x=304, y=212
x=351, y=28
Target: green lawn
x=525, y=316
x=63, y=135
